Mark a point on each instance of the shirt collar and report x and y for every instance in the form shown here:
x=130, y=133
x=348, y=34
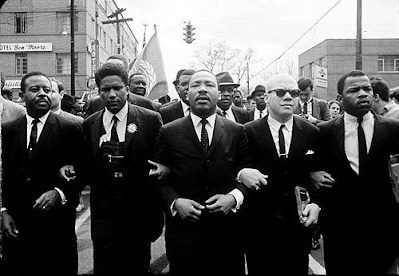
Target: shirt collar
x=121, y=115
x=185, y=107
x=276, y=124
x=197, y=120
x=42, y=119
x=352, y=119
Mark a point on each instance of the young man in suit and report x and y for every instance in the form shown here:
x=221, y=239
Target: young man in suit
x=358, y=203
x=39, y=207
x=181, y=108
x=225, y=102
x=204, y=152
x=281, y=146
x=119, y=141
x=312, y=109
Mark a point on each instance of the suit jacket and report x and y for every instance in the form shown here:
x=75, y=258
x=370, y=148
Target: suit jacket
x=171, y=112
x=25, y=180
x=320, y=110
x=251, y=113
x=106, y=200
x=240, y=114
x=276, y=201
x=361, y=194
x=95, y=104
x=11, y=111
x=71, y=117
x=198, y=176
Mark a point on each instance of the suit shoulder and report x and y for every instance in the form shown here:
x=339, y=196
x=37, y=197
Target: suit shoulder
x=143, y=111
x=168, y=107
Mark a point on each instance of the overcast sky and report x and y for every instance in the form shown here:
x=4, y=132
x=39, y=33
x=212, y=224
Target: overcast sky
x=269, y=27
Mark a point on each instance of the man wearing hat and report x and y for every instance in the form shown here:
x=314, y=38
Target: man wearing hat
x=226, y=92
x=181, y=108
x=260, y=110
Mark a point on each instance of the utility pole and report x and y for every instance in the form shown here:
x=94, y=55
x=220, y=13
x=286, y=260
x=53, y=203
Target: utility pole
x=117, y=21
x=248, y=76
x=145, y=28
x=72, y=15
x=359, y=36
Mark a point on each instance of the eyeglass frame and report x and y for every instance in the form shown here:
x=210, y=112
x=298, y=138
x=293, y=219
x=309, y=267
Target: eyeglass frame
x=279, y=92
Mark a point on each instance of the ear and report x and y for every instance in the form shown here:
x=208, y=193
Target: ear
x=376, y=97
x=62, y=94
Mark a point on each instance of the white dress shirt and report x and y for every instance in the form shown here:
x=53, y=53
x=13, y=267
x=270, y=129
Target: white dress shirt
x=186, y=108
x=229, y=114
x=257, y=113
x=287, y=132
x=351, y=143
x=120, y=127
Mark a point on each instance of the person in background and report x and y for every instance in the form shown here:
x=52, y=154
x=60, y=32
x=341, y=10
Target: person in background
x=38, y=217
x=395, y=94
x=237, y=98
x=335, y=108
x=354, y=154
x=251, y=103
x=138, y=90
x=260, y=109
x=226, y=90
x=7, y=93
x=312, y=109
x=10, y=111
x=382, y=103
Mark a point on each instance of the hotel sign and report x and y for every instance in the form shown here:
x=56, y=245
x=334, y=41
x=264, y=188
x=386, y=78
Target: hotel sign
x=26, y=47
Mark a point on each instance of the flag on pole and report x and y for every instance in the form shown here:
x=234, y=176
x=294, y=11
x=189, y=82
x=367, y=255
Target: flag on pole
x=150, y=63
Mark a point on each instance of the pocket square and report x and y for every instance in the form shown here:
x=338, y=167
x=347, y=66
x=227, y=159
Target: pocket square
x=309, y=152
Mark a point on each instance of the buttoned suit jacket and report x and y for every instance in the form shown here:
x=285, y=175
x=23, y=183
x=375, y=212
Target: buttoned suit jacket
x=361, y=194
x=276, y=201
x=320, y=110
x=25, y=180
x=136, y=195
x=198, y=176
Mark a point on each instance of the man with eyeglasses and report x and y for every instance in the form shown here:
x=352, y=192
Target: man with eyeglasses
x=226, y=93
x=312, y=109
x=281, y=146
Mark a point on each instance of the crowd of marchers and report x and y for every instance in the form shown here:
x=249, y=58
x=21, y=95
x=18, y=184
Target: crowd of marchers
x=240, y=185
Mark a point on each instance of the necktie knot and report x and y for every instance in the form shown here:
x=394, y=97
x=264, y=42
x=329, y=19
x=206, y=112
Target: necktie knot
x=204, y=122
x=224, y=113
x=35, y=121
x=360, y=120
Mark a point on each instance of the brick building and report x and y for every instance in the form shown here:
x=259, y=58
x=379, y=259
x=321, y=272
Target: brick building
x=35, y=35
x=334, y=57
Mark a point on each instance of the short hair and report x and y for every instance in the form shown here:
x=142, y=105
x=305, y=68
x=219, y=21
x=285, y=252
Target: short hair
x=111, y=69
x=336, y=102
x=135, y=74
x=238, y=90
x=205, y=70
x=3, y=80
x=342, y=79
x=59, y=84
x=305, y=83
x=121, y=58
x=6, y=90
x=380, y=87
x=31, y=74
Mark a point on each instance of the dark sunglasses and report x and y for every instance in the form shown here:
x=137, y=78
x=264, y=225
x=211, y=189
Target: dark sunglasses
x=281, y=92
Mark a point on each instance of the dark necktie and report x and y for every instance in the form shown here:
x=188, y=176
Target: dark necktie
x=260, y=114
x=362, y=144
x=281, y=143
x=114, y=133
x=305, y=108
x=224, y=113
x=188, y=111
x=204, y=136
x=33, y=137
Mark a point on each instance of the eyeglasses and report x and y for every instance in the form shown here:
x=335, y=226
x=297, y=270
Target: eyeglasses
x=281, y=92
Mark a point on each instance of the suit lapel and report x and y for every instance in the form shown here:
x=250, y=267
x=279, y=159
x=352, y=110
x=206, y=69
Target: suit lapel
x=266, y=136
x=96, y=132
x=48, y=128
x=296, y=139
x=217, y=134
x=189, y=130
x=22, y=129
x=315, y=109
x=179, y=113
x=131, y=120
x=378, y=129
x=339, y=136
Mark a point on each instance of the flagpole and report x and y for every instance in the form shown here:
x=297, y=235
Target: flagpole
x=145, y=27
x=155, y=28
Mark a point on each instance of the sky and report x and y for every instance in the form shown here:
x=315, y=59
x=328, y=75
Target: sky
x=270, y=27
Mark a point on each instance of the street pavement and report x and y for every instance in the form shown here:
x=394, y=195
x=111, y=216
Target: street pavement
x=159, y=263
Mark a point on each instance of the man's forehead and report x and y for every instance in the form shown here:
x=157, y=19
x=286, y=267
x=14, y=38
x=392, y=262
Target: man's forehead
x=203, y=75
x=357, y=79
x=36, y=79
x=281, y=82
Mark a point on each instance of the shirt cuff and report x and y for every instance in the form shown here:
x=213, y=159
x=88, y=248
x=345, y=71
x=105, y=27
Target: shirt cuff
x=238, y=176
x=237, y=194
x=172, y=208
x=3, y=209
x=63, y=198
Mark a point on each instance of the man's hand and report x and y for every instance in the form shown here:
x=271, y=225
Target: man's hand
x=188, y=209
x=8, y=225
x=252, y=178
x=67, y=172
x=310, y=214
x=47, y=200
x=311, y=119
x=220, y=204
x=160, y=171
x=321, y=179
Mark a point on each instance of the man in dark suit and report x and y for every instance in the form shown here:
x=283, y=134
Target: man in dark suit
x=39, y=207
x=281, y=147
x=204, y=152
x=260, y=109
x=358, y=204
x=119, y=141
x=312, y=109
x=226, y=90
x=181, y=108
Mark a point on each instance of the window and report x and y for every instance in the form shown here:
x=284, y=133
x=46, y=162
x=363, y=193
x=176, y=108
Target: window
x=64, y=22
x=20, y=22
x=64, y=63
x=388, y=64
x=21, y=64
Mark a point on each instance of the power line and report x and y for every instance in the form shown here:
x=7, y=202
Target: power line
x=297, y=40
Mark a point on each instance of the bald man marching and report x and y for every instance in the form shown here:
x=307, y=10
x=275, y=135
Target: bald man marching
x=281, y=146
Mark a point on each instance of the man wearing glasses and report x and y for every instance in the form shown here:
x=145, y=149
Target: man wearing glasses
x=226, y=92
x=312, y=109
x=281, y=146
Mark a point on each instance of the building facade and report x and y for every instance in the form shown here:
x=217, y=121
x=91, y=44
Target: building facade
x=326, y=62
x=35, y=35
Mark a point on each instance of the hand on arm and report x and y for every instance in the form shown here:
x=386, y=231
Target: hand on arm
x=220, y=204
x=188, y=209
x=310, y=214
x=321, y=179
x=252, y=178
x=47, y=200
x=67, y=172
x=160, y=171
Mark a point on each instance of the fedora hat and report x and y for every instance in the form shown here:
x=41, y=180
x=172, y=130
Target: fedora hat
x=224, y=78
x=258, y=88
x=178, y=76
